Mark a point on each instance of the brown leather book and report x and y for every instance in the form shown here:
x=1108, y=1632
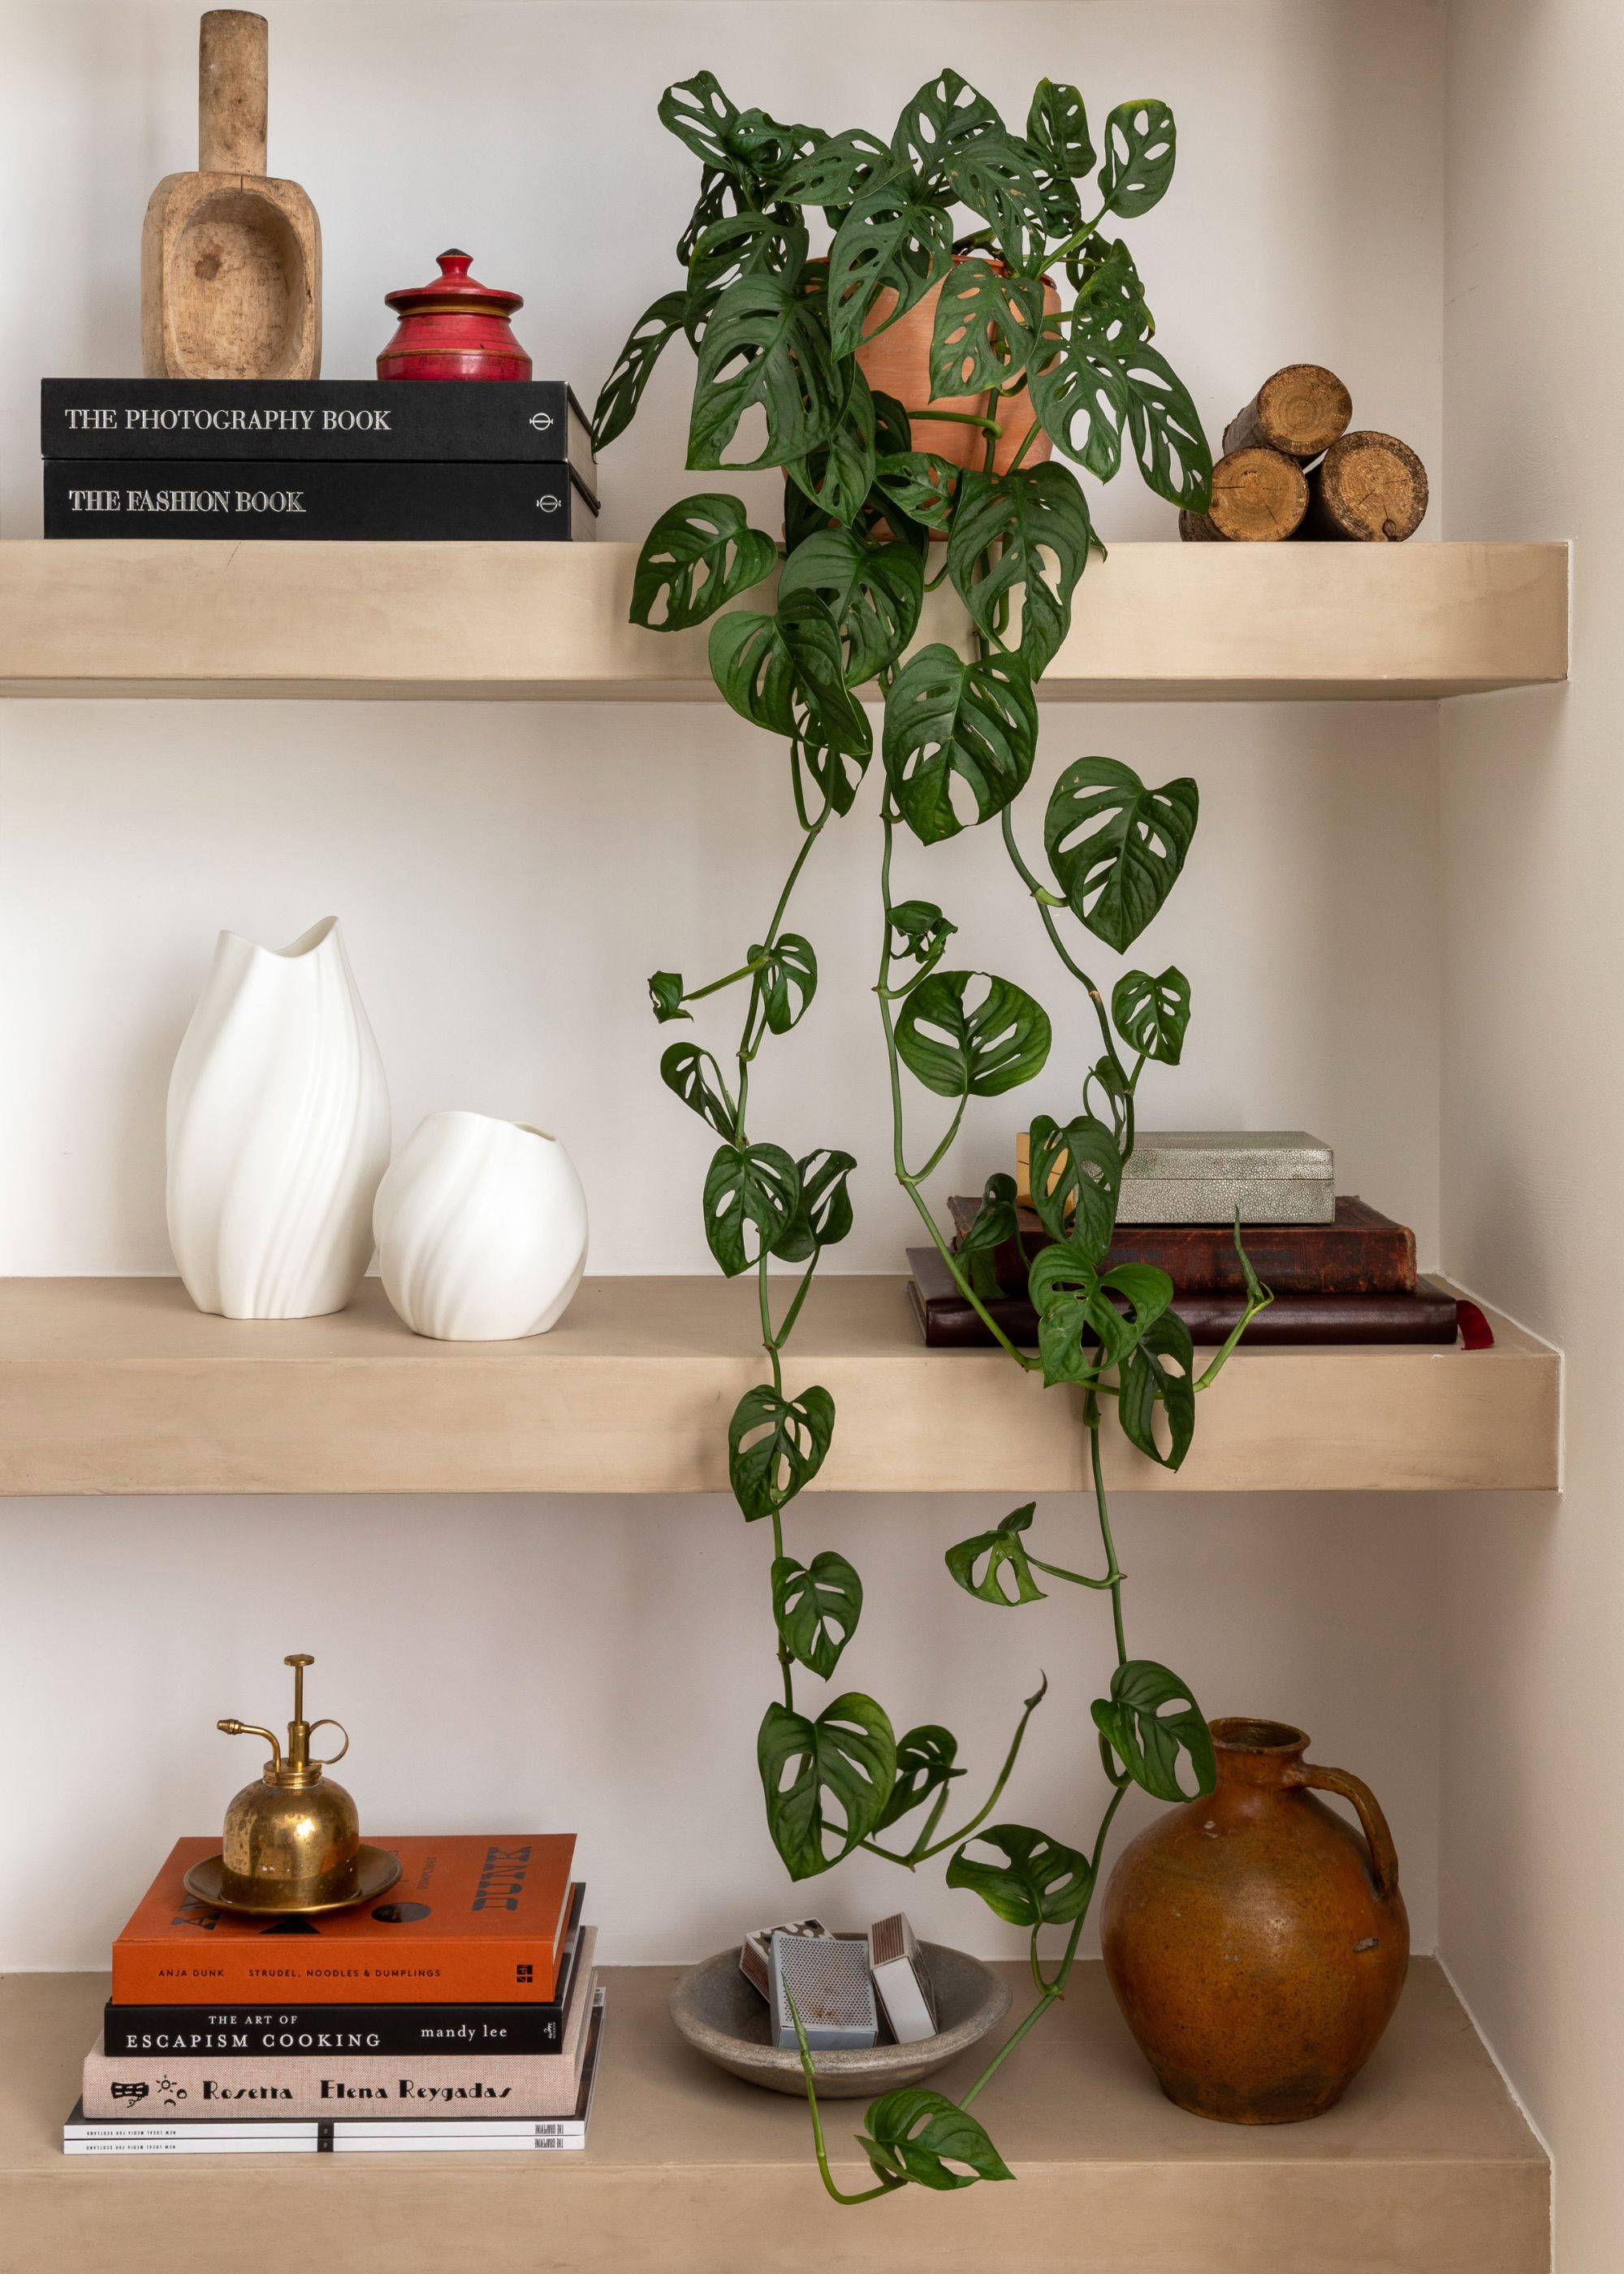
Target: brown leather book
x=1426, y=1315
x=1363, y=1252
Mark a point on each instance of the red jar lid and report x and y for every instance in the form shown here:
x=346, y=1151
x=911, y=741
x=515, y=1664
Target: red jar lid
x=454, y=292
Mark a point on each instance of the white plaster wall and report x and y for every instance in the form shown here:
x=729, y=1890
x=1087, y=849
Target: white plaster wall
x=1533, y=818
x=508, y=875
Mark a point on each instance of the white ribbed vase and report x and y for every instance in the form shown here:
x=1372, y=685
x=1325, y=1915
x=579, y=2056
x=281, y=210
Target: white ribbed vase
x=278, y=1131
x=481, y=1229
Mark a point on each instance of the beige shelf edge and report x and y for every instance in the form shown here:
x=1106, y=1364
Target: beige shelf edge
x=525, y=623
x=120, y=1386
x=1425, y=2168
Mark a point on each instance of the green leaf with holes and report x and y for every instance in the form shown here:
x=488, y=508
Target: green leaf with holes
x=997, y=177
x=988, y=321
x=1034, y=526
x=838, y=477
x=1116, y=847
x=1141, y=145
x=816, y=1605
x=1169, y=440
x=622, y=391
x=787, y=673
x=1039, y=1882
x=1149, y=1741
x=919, y=934
x=1160, y=1373
x=919, y=2135
x=1057, y=129
x=920, y=484
x=959, y=1047
x=826, y=1781
x=824, y=1215
x=836, y=170
x=957, y=730
x=748, y=1187
x=874, y=593
x=683, y=1071
x=946, y=114
x=892, y=241
x=925, y=1763
x=764, y=348
x=1075, y=1172
x=994, y=1225
x=775, y=1446
x=996, y=1552
x=788, y=981
x=1082, y=1330
x=1151, y=1015
x=1080, y=396
x=738, y=245
x=699, y=554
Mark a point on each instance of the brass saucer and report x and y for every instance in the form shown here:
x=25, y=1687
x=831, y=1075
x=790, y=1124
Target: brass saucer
x=377, y=1871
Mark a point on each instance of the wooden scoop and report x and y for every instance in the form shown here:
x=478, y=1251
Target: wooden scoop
x=231, y=259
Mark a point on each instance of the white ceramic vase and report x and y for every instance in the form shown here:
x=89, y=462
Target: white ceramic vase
x=481, y=1228
x=278, y=1131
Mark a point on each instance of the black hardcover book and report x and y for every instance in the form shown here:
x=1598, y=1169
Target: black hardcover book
x=278, y=2027
x=327, y=498
x=531, y=421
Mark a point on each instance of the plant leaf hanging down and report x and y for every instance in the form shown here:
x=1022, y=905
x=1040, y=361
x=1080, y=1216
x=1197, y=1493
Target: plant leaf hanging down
x=1115, y=875
x=960, y=1049
x=874, y=593
x=953, y=726
x=892, y=240
x=787, y=673
x=788, y=980
x=622, y=391
x=925, y=1762
x=1041, y=1882
x=748, y=1184
x=683, y=1070
x=816, y=1607
x=1003, y=1549
x=919, y=2135
x=1075, y=1172
x=841, y=167
x=920, y=484
x=1032, y=528
x=826, y=1781
x=764, y=348
x=988, y=322
x=1149, y=1741
x=1159, y=1373
x=823, y=1215
x=699, y=554
x=775, y=1446
x=996, y=177
x=1057, y=129
x=995, y=1225
x=738, y=245
x=837, y=479
x=1151, y=1015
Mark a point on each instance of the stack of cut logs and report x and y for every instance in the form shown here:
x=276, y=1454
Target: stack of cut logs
x=1291, y=469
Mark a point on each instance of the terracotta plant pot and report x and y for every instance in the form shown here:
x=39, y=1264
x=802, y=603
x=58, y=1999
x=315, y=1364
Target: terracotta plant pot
x=897, y=361
x=1257, y=1946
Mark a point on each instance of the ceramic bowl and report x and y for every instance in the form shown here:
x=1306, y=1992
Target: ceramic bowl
x=723, y=2017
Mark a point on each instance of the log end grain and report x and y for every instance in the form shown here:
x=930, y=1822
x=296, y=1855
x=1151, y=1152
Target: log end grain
x=1300, y=410
x=1198, y=529
x=1258, y=496
x=1369, y=488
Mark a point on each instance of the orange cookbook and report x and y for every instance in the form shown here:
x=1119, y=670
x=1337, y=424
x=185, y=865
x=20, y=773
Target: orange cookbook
x=470, y=1921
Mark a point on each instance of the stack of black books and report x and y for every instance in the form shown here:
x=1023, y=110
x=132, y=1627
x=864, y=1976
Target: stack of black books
x=316, y=458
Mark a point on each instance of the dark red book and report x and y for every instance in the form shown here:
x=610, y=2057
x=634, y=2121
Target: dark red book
x=1428, y=1314
x=1363, y=1252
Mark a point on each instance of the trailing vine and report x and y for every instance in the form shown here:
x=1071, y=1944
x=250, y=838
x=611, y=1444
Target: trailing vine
x=777, y=333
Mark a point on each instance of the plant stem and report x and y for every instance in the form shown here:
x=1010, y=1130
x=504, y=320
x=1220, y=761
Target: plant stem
x=960, y=418
x=1046, y=901
x=867, y=2195
x=1114, y=1575
x=921, y=1852
x=745, y=971
x=1236, y=1332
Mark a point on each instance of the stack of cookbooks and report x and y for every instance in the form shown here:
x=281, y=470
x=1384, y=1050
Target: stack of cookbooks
x=316, y=458
x=1350, y=1280
x=459, y=2011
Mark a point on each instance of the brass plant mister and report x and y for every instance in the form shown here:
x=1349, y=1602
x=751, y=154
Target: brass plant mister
x=292, y=1840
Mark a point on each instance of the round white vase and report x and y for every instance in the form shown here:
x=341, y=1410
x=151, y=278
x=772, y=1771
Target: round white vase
x=481, y=1228
x=278, y=1131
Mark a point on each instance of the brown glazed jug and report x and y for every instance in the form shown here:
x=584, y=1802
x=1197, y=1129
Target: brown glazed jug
x=1256, y=1944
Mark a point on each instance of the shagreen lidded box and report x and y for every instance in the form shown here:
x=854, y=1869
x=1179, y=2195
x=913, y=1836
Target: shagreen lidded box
x=1205, y=1176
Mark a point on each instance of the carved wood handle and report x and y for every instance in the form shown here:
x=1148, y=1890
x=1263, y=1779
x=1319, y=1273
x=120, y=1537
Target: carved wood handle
x=233, y=65
x=1384, y=1855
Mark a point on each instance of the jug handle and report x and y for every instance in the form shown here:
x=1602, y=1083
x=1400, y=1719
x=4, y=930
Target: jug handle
x=1384, y=1855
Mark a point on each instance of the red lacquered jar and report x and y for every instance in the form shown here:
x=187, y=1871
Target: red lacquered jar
x=454, y=328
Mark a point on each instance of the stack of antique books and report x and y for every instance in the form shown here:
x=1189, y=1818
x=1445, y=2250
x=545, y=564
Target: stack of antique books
x=1339, y=1270
x=458, y=2012
x=316, y=458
